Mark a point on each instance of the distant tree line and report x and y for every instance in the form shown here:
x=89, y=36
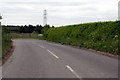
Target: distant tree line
x=27, y=28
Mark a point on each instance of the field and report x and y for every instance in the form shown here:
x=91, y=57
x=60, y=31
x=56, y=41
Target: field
x=25, y=36
x=101, y=36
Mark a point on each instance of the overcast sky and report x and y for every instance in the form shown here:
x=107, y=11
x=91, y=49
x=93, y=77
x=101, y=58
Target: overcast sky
x=60, y=12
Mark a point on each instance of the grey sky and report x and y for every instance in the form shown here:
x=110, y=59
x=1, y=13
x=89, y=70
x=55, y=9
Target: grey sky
x=60, y=12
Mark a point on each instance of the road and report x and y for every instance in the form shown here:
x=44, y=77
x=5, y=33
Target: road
x=42, y=59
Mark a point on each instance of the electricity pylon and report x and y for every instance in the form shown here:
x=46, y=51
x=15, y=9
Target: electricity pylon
x=45, y=17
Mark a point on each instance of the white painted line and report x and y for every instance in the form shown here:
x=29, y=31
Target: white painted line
x=73, y=71
x=52, y=54
x=70, y=68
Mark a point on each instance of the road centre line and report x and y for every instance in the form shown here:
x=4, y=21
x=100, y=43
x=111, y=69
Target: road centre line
x=52, y=54
x=73, y=72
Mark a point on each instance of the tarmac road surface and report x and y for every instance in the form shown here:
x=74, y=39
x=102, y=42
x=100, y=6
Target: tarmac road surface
x=42, y=59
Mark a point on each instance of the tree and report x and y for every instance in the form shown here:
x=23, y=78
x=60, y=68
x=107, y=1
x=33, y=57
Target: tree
x=25, y=29
x=30, y=28
x=52, y=26
x=45, y=28
x=39, y=29
x=21, y=30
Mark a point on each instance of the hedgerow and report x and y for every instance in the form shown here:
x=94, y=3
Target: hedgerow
x=102, y=36
x=6, y=41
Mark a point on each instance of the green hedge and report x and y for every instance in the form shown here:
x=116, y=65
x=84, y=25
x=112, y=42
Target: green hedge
x=6, y=41
x=102, y=36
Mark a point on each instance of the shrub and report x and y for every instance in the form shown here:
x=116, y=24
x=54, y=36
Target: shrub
x=102, y=36
x=6, y=41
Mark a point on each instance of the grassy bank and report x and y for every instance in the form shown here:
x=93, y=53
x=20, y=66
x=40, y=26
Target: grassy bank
x=6, y=41
x=102, y=36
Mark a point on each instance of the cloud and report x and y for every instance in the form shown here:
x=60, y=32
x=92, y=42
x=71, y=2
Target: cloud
x=60, y=12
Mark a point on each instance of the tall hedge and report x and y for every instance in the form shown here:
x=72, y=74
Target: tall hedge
x=6, y=41
x=102, y=36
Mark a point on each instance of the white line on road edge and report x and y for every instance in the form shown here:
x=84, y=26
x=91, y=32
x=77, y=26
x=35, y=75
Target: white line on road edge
x=73, y=72
x=41, y=46
x=52, y=54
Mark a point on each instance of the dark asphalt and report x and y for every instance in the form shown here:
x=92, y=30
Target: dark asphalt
x=41, y=59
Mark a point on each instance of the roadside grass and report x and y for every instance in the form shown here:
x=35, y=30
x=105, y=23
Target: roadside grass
x=6, y=42
x=100, y=36
x=26, y=36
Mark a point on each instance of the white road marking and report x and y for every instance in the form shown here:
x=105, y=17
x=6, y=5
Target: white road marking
x=52, y=54
x=73, y=71
x=41, y=46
